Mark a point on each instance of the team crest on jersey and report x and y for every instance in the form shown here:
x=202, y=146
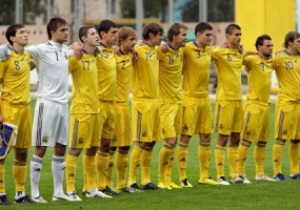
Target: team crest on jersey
x=229, y=58
x=262, y=65
x=289, y=65
x=45, y=139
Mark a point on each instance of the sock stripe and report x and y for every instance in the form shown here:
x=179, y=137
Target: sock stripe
x=204, y=144
x=36, y=159
x=57, y=159
x=219, y=148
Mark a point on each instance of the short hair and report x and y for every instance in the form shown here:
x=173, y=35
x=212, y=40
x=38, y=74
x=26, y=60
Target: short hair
x=290, y=37
x=105, y=25
x=174, y=30
x=201, y=27
x=83, y=31
x=152, y=28
x=124, y=32
x=231, y=27
x=260, y=40
x=54, y=24
x=12, y=31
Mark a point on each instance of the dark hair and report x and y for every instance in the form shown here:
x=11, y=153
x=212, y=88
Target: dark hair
x=174, y=30
x=124, y=32
x=152, y=28
x=290, y=37
x=260, y=40
x=11, y=31
x=105, y=26
x=83, y=31
x=230, y=28
x=201, y=27
x=54, y=24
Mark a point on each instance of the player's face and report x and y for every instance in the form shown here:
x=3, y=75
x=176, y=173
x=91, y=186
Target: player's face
x=21, y=37
x=235, y=37
x=93, y=37
x=181, y=38
x=111, y=36
x=296, y=45
x=129, y=43
x=61, y=34
x=205, y=37
x=157, y=39
x=267, y=48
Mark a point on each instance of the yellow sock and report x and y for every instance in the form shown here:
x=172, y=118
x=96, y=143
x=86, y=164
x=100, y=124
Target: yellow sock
x=242, y=151
x=220, y=160
x=89, y=172
x=121, y=165
x=135, y=160
x=2, y=177
x=277, y=156
x=109, y=172
x=182, y=160
x=294, y=155
x=102, y=165
x=19, y=173
x=70, y=171
x=204, y=154
x=233, y=159
x=164, y=155
x=259, y=157
x=169, y=166
x=146, y=165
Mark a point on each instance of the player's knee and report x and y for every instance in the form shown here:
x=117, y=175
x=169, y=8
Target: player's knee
x=185, y=139
x=295, y=141
x=40, y=151
x=205, y=138
x=222, y=140
x=171, y=142
x=112, y=149
x=124, y=150
x=91, y=151
x=21, y=155
x=261, y=144
x=59, y=150
x=280, y=141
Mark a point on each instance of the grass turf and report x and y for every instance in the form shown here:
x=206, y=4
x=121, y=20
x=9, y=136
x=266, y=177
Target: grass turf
x=258, y=195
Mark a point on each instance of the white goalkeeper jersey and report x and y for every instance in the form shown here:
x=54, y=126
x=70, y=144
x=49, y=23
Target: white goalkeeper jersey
x=52, y=69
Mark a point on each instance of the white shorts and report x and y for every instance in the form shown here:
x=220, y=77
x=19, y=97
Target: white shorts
x=50, y=124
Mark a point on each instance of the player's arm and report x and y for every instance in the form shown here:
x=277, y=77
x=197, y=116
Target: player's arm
x=76, y=47
x=5, y=51
x=1, y=81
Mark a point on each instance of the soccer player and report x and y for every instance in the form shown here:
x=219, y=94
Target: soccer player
x=287, y=115
x=170, y=75
x=50, y=125
x=107, y=86
x=197, y=118
x=257, y=107
x=15, y=108
x=123, y=138
x=85, y=119
x=145, y=106
x=229, y=114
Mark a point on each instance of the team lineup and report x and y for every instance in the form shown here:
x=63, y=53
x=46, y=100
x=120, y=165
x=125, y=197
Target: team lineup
x=169, y=83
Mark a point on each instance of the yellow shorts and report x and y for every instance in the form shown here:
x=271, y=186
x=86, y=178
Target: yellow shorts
x=256, y=123
x=123, y=135
x=171, y=120
x=145, y=121
x=21, y=117
x=229, y=117
x=197, y=115
x=287, y=122
x=107, y=120
x=84, y=131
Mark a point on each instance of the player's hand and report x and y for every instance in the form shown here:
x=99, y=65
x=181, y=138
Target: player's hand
x=1, y=122
x=135, y=55
x=240, y=48
x=5, y=51
x=140, y=42
x=117, y=50
x=97, y=51
x=223, y=44
x=32, y=64
x=164, y=47
x=77, y=50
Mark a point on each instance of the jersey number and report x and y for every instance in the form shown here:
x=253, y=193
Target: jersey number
x=123, y=64
x=171, y=60
x=85, y=65
x=198, y=54
x=17, y=65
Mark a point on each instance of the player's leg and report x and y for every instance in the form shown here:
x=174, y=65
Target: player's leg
x=294, y=159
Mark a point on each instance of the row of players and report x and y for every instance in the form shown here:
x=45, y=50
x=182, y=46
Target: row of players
x=170, y=99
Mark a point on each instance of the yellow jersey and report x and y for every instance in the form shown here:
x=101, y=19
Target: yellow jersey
x=85, y=84
x=124, y=76
x=170, y=75
x=229, y=70
x=15, y=72
x=259, y=78
x=196, y=70
x=287, y=68
x=107, y=67
x=145, y=73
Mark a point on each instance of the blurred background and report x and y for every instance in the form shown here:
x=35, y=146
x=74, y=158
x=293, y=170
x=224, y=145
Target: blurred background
x=256, y=17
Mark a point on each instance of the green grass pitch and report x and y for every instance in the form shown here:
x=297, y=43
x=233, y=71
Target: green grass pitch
x=258, y=195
